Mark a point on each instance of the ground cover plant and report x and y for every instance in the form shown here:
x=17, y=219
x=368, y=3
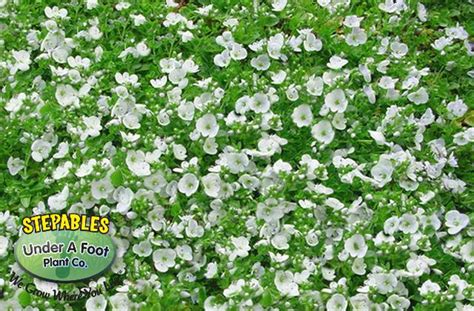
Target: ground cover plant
x=252, y=155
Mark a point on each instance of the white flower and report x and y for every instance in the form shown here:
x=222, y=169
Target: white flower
x=356, y=246
x=337, y=303
x=45, y=286
x=136, y=163
x=261, y=62
x=369, y=92
x=383, y=282
x=269, y=211
x=63, y=149
x=302, y=115
x=66, y=95
x=358, y=266
x=58, y=201
x=142, y=249
x=143, y=49
x=177, y=76
x=155, y=182
x=391, y=225
x=421, y=12
x=315, y=86
x=336, y=101
x=22, y=59
x=124, y=197
x=241, y=247
x=4, y=242
x=441, y=43
x=356, y=37
x=278, y=77
x=429, y=287
x=336, y=62
x=360, y=302
x=188, y=184
x=231, y=23
x=159, y=83
x=101, y=189
x=387, y=82
x=120, y=302
x=15, y=165
x=312, y=238
x=222, y=59
x=62, y=170
x=292, y=93
x=125, y=78
x=210, y=146
x=274, y=45
x=237, y=162
x=352, y=21
x=94, y=33
x=86, y=168
x=234, y=288
x=97, y=303
x=184, y=252
x=186, y=36
x=280, y=241
x=285, y=283
x=456, y=221
x=457, y=108
x=339, y=122
x=211, y=270
x=93, y=127
x=164, y=259
x=260, y=103
x=311, y=43
x=207, y=125
x=211, y=305
x=15, y=103
x=398, y=49
x=408, y=223
x=378, y=137
x=457, y=32
x=382, y=172
x=467, y=252
x=186, y=111
x=212, y=184
x=91, y=4
x=179, y=151
x=323, y=132
x=398, y=302
x=55, y=12
x=238, y=52
x=279, y=5
x=194, y=230
x=419, y=97
x=40, y=150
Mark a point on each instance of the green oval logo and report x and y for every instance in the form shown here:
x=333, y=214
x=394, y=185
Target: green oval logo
x=65, y=256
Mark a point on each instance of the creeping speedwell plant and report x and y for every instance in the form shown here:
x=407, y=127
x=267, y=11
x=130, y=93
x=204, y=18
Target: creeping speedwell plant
x=251, y=154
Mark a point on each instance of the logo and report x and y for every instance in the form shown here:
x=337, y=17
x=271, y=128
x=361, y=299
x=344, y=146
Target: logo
x=65, y=247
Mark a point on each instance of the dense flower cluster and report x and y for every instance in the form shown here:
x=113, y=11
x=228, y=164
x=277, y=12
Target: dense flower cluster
x=252, y=155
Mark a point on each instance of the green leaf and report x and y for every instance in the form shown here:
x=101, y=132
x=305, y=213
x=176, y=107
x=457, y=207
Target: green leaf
x=25, y=201
x=175, y=210
x=267, y=299
x=47, y=109
x=24, y=298
x=469, y=118
x=117, y=178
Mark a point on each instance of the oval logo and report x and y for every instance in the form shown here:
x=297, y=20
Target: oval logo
x=65, y=256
